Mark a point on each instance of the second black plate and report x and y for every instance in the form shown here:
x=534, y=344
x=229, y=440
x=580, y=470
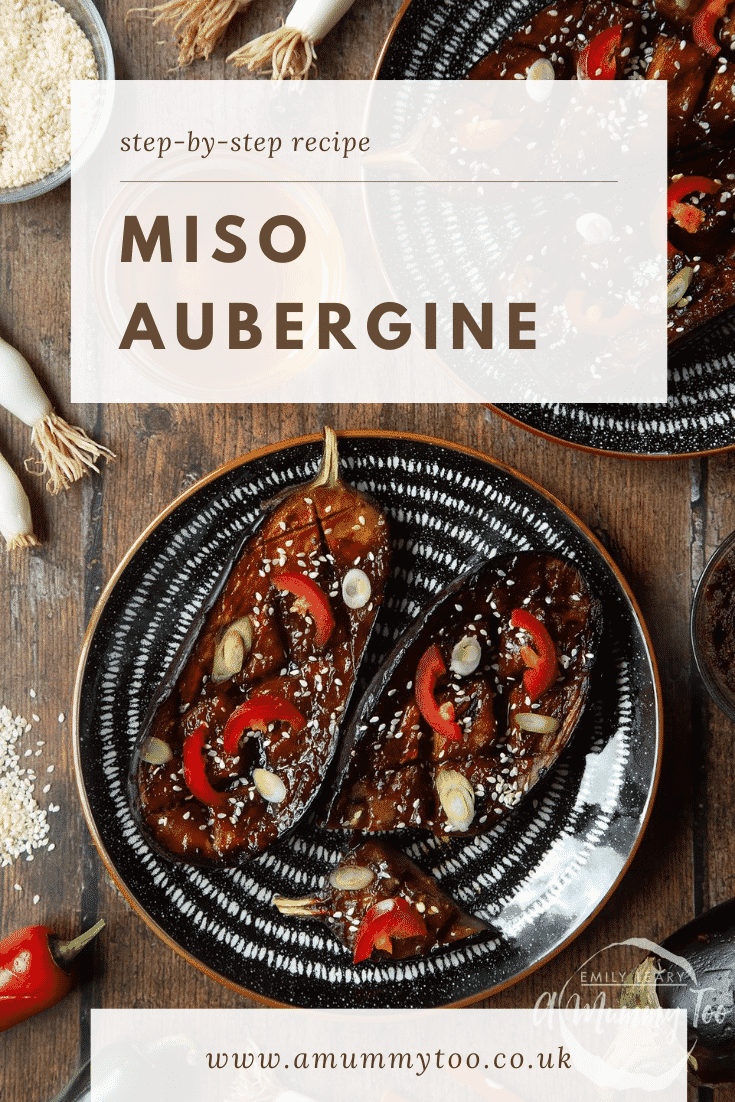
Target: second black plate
x=432, y=41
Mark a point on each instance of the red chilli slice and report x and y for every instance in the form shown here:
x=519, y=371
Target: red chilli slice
x=703, y=27
x=317, y=600
x=255, y=714
x=686, y=215
x=385, y=920
x=597, y=60
x=430, y=668
x=540, y=659
x=194, y=773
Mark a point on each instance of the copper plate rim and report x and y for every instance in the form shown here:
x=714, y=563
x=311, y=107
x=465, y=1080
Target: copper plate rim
x=270, y=449
x=389, y=38
x=638, y=456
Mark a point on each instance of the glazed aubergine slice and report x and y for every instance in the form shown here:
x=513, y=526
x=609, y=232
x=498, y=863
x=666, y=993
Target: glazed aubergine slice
x=240, y=735
x=688, y=44
x=475, y=703
x=380, y=904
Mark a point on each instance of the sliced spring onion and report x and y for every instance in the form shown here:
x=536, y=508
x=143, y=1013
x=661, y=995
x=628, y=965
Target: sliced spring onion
x=269, y=785
x=466, y=656
x=536, y=723
x=596, y=229
x=538, y=79
x=66, y=452
x=356, y=588
x=457, y=797
x=351, y=878
x=678, y=286
x=232, y=648
x=291, y=49
x=155, y=751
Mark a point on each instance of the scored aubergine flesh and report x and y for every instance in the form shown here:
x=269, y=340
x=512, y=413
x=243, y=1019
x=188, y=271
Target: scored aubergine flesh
x=689, y=45
x=274, y=646
x=380, y=873
x=397, y=772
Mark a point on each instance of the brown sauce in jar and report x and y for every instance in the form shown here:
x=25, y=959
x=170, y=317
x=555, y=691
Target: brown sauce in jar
x=716, y=624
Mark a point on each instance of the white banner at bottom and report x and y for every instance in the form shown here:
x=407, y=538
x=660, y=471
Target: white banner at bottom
x=387, y=1056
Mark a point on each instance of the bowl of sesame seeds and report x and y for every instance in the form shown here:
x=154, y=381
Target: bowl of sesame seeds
x=46, y=45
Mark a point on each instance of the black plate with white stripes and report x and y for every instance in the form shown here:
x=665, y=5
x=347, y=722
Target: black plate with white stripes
x=433, y=41
x=537, y=878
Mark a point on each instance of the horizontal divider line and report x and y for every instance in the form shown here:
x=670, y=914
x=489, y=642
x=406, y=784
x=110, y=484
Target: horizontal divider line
x=368, y=181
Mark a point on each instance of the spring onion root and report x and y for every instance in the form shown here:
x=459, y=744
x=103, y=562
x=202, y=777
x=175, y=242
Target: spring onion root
x=291, y=49
x=15, y=510
x=291, y=55
x=66, y=452
x=197, y=24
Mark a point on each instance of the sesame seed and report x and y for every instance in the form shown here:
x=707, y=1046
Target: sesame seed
x=23, y=824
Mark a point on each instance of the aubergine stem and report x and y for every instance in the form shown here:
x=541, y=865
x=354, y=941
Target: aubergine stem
x=307, y=906
x=64, y=952
x=328, y=473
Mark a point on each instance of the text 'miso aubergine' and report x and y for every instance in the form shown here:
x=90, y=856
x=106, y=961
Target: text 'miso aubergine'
x=241, y=733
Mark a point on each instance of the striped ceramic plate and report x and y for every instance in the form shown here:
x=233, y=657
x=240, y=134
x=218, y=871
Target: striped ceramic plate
x=537, y=878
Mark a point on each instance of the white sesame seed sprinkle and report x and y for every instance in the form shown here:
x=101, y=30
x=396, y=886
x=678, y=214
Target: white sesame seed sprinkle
x=23, y=824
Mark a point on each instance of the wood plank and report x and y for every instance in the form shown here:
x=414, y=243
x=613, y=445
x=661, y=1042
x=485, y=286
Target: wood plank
x=43, y=624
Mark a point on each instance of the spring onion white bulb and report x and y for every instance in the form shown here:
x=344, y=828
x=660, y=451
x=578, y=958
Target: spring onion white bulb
x=197, y=24
x=15, y=510
x=291, y=49
x=66, y=452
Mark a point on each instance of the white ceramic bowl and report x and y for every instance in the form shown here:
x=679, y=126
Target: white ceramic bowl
x=88, y=17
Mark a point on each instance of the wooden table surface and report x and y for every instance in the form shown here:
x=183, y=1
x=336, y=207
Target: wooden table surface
x=660, y=520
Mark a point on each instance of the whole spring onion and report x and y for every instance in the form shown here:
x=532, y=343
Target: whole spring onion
x=291, y=49
x=197, y=24
x=15, y=510
x=66, y=452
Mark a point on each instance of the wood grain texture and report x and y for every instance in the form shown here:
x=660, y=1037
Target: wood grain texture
x=659, y=521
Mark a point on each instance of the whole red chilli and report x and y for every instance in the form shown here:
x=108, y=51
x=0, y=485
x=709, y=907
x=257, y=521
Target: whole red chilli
x=36, y=971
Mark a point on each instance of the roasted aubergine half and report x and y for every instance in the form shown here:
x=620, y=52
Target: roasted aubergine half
x=475, y=703
x=242, y=731
x=381, y=905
